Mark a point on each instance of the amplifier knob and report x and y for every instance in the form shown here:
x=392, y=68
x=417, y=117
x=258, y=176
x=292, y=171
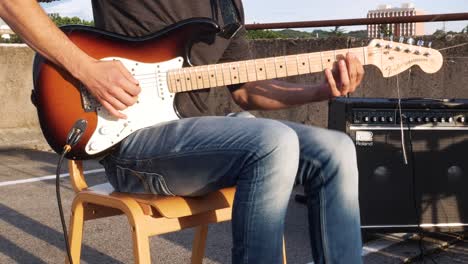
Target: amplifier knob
x=442, y=119
x=450, y=119
x=374, y=119
x=390, y=119
x=382, y=119
x=427, y=119
x=434, y=119
x=366, y=119
x=461, y=119
x=411, y=119
x=419, y=119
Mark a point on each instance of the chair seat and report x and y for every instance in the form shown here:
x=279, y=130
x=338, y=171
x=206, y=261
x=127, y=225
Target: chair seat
x=173, y=206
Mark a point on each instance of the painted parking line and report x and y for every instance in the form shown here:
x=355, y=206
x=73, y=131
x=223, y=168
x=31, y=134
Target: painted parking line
x=44, y=178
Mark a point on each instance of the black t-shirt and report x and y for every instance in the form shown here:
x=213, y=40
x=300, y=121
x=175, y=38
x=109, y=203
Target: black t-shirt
x=143, y=17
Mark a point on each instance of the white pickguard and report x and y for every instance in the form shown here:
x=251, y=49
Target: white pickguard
x=155, y=105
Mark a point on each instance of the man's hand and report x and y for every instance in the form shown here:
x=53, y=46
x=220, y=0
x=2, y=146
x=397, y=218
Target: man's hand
x=345, y=77
x=111, y=83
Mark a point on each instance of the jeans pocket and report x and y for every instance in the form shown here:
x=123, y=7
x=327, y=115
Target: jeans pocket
x=134, y=181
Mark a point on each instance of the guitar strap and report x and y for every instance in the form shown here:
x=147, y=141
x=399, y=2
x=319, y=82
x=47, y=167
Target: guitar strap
x=230, y=15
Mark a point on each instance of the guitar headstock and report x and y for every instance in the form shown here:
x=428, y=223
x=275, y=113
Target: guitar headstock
x=393, y=58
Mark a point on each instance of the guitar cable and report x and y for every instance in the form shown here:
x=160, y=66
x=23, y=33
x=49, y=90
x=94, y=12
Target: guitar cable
x=73, y=137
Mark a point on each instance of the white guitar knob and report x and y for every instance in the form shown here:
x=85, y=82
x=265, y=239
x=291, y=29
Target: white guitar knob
x=96, y=146
x=105, y=130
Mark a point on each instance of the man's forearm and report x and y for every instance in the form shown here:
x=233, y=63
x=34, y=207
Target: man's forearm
x=275, y=95
x=30, y=22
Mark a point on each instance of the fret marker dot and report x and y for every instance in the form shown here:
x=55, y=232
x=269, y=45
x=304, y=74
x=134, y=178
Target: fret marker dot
x=261, y=69
x=199, y=77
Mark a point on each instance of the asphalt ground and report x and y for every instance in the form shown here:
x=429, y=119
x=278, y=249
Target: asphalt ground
x=30, y=230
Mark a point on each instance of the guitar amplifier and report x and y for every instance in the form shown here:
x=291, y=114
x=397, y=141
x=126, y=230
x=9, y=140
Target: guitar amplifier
x=413, y=166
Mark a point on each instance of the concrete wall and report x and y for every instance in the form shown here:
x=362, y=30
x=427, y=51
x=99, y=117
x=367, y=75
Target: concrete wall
x=19, y=126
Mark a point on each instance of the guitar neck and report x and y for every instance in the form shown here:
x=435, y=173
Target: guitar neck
x=215, y=75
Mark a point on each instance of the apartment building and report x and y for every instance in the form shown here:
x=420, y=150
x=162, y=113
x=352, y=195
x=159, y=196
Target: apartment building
x=401, y=29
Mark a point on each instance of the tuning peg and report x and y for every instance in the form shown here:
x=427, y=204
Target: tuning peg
x=402, y=39
x=410, y=41
x=429, y=45
x=390, y=44
x=420, y=43
x=382, y=35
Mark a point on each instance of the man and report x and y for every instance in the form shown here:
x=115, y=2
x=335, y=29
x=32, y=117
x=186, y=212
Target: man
x=197, y=155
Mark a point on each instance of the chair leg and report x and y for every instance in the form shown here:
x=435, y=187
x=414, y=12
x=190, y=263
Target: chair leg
x=284, y=251
x=141, y=249
x=199, y=244
x=76, y=231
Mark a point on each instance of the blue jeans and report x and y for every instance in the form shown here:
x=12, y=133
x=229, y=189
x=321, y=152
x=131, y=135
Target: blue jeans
x=262, y=157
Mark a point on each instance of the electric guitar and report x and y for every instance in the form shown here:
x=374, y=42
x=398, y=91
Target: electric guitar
x=160, y=63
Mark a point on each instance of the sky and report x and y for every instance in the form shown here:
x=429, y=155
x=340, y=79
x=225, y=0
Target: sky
x=268, y=11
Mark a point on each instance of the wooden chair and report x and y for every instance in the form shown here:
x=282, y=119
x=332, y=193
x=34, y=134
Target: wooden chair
x=148, y=215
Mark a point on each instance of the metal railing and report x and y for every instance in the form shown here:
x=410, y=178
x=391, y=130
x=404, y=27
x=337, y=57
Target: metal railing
x=361, y=21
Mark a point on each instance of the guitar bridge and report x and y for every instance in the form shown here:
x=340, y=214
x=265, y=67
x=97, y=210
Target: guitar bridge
x=88, y=101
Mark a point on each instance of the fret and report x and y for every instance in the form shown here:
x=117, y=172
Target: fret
x=193, y=78
x=251, y=70
x=212, y=75
x=171, y=82
x=280, y=65
x=328, y=60
x=291, y=65
x=177, y=81
x=188, y=82
x=270, y=68
x=226, y=73
x=260, y=69
x=315, y=62
x=205, y=76
x=198, y=77
x=303, y=64
x=242, y=68
x=234, y=71
x=219, y=75
x=183, y=84
x=321, y=61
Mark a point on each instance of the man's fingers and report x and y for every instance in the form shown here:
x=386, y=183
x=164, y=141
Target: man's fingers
x=331, y=82
x=130, y=84
x=344, y=76
x=112, y=110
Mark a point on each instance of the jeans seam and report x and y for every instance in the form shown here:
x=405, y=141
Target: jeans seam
x=172, y=155
x=322, y=212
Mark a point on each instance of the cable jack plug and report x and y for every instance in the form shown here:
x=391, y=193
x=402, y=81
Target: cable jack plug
x=75, y=134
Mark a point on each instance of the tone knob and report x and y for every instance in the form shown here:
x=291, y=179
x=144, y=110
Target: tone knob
x=98, y=145
x=105, y=130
